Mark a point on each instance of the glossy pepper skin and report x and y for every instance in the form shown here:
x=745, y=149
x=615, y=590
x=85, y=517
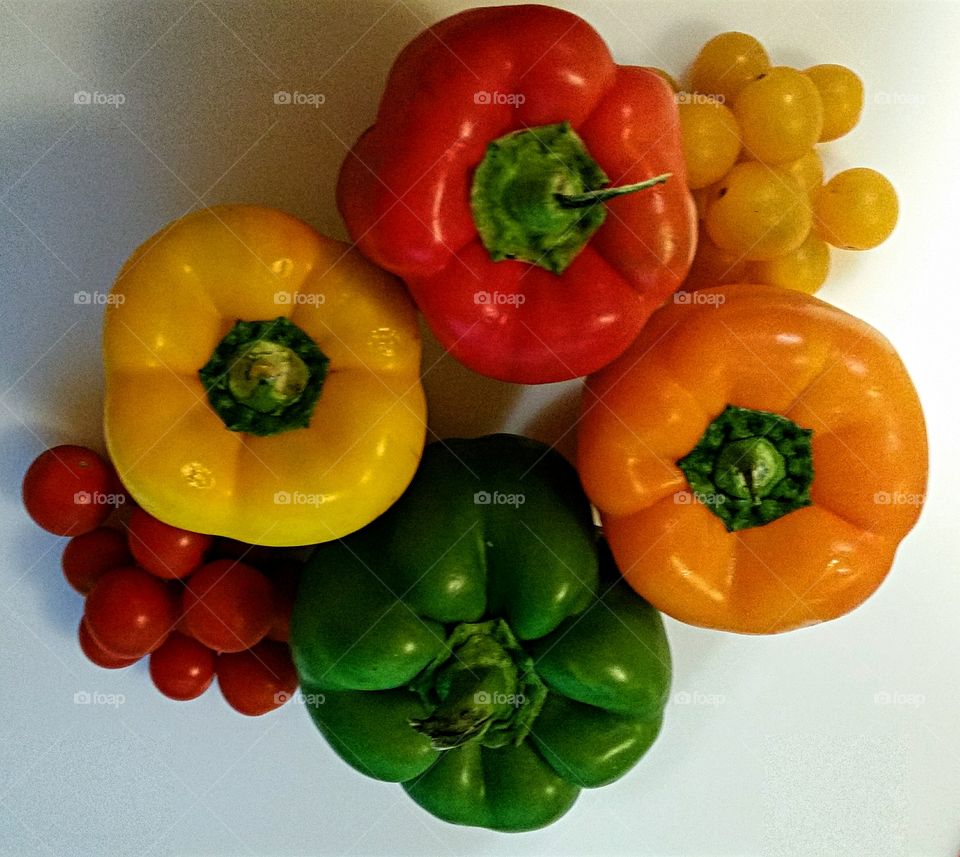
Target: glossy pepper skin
x=782, y=353
x=405, y=190
x=177, y=301
x=493, y=539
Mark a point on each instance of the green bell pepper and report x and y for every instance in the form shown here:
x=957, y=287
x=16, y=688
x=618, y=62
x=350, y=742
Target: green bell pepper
x=475, y=642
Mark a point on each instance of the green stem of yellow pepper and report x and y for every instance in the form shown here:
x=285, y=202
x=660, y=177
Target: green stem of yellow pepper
x=265, y=377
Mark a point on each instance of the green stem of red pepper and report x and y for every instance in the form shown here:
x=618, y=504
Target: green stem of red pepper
x=593, y=197
x=538, y=196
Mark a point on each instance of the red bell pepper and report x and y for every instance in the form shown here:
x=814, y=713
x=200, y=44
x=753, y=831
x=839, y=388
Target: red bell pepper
x=482, y=185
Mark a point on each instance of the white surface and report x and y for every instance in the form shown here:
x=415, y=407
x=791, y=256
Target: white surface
x=842, y=739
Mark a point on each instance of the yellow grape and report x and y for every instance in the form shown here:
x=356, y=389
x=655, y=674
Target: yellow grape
x=808, y=170
x=857, y=209
x=804, y=269
x=727, y=63
x=841, y=92
x=758, y=212
x=711, y=139
x=780, y=115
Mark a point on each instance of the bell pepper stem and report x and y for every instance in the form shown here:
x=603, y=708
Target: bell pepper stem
x=593, y=197
x=481, y=687
x=750, y=467
x=537, y=196
x=264, y=377
x=475, y=700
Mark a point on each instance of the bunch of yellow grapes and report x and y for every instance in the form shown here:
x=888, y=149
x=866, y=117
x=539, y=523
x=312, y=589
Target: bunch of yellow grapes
x=750, y=136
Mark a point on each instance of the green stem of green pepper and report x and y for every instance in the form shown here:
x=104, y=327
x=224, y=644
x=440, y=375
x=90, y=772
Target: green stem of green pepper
x=475, y=701
x=482, y=687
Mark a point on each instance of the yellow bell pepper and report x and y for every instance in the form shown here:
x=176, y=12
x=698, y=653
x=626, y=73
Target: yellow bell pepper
x=262, y=380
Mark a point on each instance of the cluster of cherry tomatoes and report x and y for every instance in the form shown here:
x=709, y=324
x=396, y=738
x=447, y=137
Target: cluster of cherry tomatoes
x=199, y=607
x=750, y=136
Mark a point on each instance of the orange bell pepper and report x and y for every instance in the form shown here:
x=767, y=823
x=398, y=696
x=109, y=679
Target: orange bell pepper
x=767, y=519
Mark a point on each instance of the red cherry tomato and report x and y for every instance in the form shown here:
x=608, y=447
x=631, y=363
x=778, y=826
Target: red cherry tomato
x=165, y=551
x=69, y=490
x=259, y=679
x=227, y=605
x=129, y=612
x=284, y=573
x=182, y=668
x=87, y=557
x=99, y=655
